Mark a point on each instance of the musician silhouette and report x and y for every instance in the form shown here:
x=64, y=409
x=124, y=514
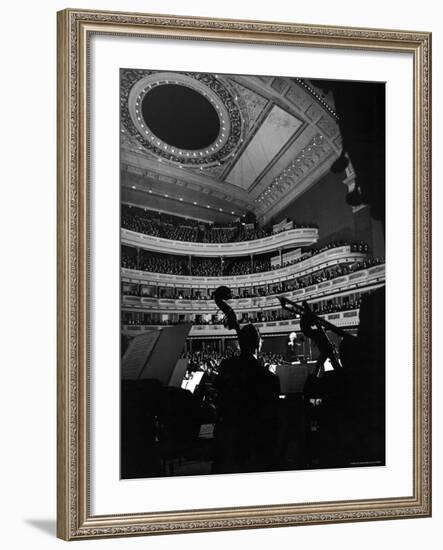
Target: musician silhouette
x=247, y=410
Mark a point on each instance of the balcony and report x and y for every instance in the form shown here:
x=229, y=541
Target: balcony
x=364, y=279
x=318, y=261
x=343, y=319
x=294, y=238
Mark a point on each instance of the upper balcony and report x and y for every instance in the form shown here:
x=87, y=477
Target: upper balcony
x=292, y=238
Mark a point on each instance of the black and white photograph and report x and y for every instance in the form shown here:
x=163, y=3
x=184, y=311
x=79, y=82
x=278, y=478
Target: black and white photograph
x=226, y=214
x=252, y=273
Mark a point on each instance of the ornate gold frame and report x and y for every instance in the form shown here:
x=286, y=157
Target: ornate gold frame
x=74, y=29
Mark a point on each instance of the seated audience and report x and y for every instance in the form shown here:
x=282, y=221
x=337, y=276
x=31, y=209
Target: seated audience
x=177, y=228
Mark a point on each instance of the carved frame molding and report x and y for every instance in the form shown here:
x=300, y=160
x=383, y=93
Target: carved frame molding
x=75, y=28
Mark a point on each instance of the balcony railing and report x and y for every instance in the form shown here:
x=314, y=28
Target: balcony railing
x=371, y=277
x=294, y=238
x=342, y=319
x=318, y=261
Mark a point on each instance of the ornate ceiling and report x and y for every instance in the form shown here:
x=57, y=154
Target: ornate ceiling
x=268, y=139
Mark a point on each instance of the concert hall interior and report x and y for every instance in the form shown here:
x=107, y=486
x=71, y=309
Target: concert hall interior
x=252, y=273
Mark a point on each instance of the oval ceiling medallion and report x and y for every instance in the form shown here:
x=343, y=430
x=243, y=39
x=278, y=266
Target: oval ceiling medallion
x=187, y=118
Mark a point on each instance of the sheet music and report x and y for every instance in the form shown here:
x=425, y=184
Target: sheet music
x=137, y=354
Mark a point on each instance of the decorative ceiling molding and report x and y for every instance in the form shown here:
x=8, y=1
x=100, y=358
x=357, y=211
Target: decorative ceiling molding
x=252, y=103
x=295, y=190
x=244, y=104
x=314, y=92
x=277, y=132
x=135, y=84
x=150, y=185
x=134, y=160
x=301, y=165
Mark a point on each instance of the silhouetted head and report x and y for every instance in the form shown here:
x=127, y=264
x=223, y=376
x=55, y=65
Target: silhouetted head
x=250, y=339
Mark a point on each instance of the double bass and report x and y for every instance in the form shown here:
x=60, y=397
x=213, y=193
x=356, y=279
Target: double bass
x=246, y=429
x=246, y=334
x=221, y=295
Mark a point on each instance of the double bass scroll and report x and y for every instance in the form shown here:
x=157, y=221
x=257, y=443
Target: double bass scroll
x=221, y=295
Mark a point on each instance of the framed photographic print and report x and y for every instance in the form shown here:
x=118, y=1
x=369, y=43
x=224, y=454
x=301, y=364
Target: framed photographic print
x=243, y=274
